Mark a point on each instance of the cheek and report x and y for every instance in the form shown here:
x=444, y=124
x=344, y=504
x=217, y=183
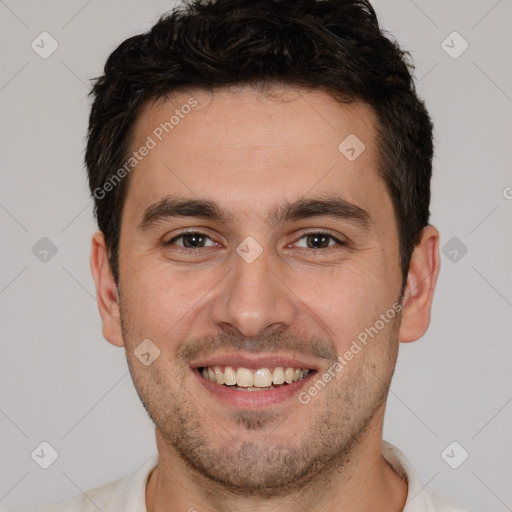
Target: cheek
x=162, y=300
x=346, y=300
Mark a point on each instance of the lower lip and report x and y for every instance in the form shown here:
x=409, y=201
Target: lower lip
x=253, y=399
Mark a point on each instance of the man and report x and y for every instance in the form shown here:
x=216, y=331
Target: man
x=261, y=176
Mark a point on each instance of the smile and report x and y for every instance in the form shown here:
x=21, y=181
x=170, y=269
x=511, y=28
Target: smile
x=248, y=379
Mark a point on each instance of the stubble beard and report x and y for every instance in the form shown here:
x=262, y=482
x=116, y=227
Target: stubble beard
x=252, y=464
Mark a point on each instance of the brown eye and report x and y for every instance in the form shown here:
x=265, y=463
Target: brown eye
x=191, y=241
x=318, y=241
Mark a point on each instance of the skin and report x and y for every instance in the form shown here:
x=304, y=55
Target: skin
x=249, y=151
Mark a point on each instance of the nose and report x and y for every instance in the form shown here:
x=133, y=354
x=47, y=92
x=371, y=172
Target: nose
x=254, y=299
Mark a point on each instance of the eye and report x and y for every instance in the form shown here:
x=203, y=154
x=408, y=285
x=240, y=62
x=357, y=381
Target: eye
x=318, y=241
x=192, y=240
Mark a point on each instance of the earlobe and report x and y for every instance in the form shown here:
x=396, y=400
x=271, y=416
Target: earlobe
x=107, y=293
x=419, y=290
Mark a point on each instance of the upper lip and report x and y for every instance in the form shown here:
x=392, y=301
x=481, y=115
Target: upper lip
x=255, y=361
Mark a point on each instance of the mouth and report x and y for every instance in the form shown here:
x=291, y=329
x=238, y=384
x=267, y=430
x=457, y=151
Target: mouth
x=247, y=382
x=249, y=379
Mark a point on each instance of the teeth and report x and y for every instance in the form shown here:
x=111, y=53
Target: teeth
x=244, y=378
x=219, y=376
x=262, y=378
x=278, y=376
x=288, y=375
x=253, y=380
x=229, y=376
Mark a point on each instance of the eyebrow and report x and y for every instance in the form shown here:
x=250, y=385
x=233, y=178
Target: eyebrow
x=335, y=207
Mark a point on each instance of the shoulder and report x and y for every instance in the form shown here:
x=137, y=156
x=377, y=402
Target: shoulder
x=104, y=497
x=419, y=498
x=436, y=503
x=124, y=495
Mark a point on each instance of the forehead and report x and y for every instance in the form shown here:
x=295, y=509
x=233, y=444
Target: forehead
x=253, y=147
x=230, y=116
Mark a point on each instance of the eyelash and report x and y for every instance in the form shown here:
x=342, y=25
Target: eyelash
x=304, y=235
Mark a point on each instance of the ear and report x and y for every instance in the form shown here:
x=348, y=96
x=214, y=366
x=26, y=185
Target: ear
x=419, y=289
x=106, y=291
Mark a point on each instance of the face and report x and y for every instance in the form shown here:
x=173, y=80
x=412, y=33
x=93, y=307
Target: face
x=254, y=253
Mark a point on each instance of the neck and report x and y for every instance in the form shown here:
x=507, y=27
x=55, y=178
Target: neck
x=364, y=482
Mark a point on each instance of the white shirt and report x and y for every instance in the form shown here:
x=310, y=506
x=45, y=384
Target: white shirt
x=128, y=494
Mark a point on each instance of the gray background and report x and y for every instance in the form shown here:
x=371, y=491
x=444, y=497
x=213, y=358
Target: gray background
x=63, y=384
